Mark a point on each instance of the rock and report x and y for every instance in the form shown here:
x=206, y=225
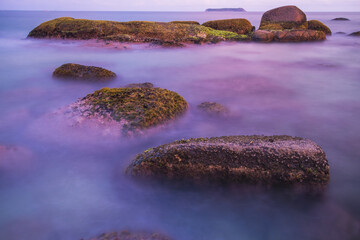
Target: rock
x=340, y=19
x=235, y=159
x=340, y=33
x=225, y=10
x=81, y=72
x=140, y=85
x=299, y=36
x=135, y=32
x=238, y=25
x=318, y=26
x=127, y=235
x=186, y=22
x=286, y=17
x=355, y=34
x=263, y=36
x=213, y=108
x=133, y=109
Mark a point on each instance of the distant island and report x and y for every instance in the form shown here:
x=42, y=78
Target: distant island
x=225, y=10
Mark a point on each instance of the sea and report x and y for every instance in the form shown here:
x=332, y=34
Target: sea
x=66, y=183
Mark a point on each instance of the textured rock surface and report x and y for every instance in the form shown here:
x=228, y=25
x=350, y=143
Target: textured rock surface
x=169, y=34
x=318, y=26
x=239, y=25
x=236, y=159
x=288, y=17
x=140, y=85
x=263, y=36
x=134, y=109
x=127, y=235
x=77, y=71
x=299, y=36
x=213, y=108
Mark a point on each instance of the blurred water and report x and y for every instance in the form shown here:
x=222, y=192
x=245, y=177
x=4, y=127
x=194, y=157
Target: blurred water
x=71, y=185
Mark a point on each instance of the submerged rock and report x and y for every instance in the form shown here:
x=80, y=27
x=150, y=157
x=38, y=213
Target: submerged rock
x=263, y=36
x=135, y=31
x=140, y=85
x=318, y=26
x=340, y=19
x=127, y=235
x=355, y=34
x=238, y=25
x=213, y=108
x=186, y=22
x=81, y=72
x=235, y=159
x=286, y=17
x=133, y=109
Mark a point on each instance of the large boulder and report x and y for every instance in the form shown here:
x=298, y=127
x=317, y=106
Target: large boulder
x=235, y=159
x=299, y=36
x=263, y=36
x=130, y=109
x=82, y=72
x=286, y=17
x=135, y=31
x=238, y=25
x=318, y=26
x=127, y=235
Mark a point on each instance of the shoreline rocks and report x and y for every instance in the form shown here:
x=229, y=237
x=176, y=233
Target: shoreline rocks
x=131, y=109
x=235, y=159
x=82, y=72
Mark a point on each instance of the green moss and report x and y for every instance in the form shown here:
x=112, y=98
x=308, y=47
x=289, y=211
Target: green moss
x=265, y=25
x=318, y=26
x=141, y=107
x=77, y=71
x=239, y=25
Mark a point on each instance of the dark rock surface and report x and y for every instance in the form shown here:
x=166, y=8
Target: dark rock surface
x=81, y=72
x=355, y=34
x=235, y=159
x=140, y=85
x=213, y=108
x=340, y=19
x=186, y=22
x=288, y=17
x=299, y=36
x=127, y=235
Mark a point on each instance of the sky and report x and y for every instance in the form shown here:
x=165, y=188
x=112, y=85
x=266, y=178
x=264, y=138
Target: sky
x=176, y=5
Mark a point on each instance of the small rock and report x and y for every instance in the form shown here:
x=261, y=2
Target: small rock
x=81, y=72
x=213, y=108
x=340, y=19
x=355, y=34
x=140, y=85
x=127, y=235
x=340, y=33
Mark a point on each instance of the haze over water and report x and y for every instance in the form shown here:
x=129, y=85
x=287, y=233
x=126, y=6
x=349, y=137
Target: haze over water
x=68, y=183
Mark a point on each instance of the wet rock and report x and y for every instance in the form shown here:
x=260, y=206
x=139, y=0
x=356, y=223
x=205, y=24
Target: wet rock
x=134, y=31
x=318, y=26
x=355, y=34
x=239, y=25
x=81, y=72
x=235, y=159
x=286, y=17
x=340, y=33
x=186, y=22
x=213, y=108
x=263, y=36
x=299, y=36
x=127, y=235
x=131, y=109
x=140, y=85
x=340, y=19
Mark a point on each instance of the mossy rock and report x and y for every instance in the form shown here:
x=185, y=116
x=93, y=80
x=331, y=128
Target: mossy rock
x=127, y=235
x=213, y=108
x=186, y=22
x=288, y=17
x=299, y=36
x=340, y=19
x=136, y=109
x=82, y=72
x=235, y=159
x=238, y=25
x=134, y=31
x=140, y=85
x=272, y=27
x=355, y=34
x=318, y=26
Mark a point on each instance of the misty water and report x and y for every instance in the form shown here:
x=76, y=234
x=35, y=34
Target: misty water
x=68, y=183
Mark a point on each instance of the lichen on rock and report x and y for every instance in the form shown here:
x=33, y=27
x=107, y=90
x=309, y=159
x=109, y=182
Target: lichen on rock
x=82, y=72
x=318, y=26
x=235, y=159
x=237, y=25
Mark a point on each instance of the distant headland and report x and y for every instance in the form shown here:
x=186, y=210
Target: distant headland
x=225, y=10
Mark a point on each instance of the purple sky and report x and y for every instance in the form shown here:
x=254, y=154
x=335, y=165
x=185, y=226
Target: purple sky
x=176, y=5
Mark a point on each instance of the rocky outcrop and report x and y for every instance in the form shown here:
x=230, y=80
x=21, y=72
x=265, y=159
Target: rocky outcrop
x=213, y=108
x=299, y=36
x=286, y=17
x=81, y=72
x=238, y=25
x=169, y=34
x=263, y=36
x=355, y=34
x=140, y=85
x=235, y=159
x=127, y=235
x=340, y=19
x=130, y=109
x=318, y=26
x=186, y=22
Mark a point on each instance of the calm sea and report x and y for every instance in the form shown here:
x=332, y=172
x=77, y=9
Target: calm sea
x=69, y=183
